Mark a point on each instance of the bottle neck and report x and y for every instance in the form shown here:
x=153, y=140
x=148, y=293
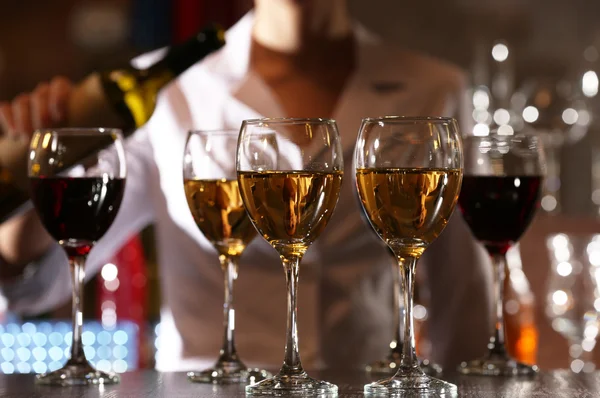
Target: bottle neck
x=181, y=57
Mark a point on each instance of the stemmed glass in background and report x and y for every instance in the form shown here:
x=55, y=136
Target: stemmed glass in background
x=573, y=294
x=290, y=174
x=408, y=176
x=213, y=196
x=389, y=365
x=499, y=197
x=77, y=206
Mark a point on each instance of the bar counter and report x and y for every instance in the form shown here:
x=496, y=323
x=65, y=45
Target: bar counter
x=552, y=384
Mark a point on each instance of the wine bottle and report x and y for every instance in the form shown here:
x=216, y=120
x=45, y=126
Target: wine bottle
x=124, y=98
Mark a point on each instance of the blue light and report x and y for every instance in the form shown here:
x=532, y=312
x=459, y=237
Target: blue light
x=40, y=339
x=44, y=327
x=68, y=338
x=52, y=366
x=13, y=328
x=24, y=354
x=39, y=353
x=28, y=328
x=119, y=352
x=103, y=365
x=39, y=367
x=88, y=338
x=24, y=339
x=90, y=352
x=120, y=337
x=7, y=339
x=8, y=354
x=62, y=327
x=7, y=367
x=103, y=352
x=55, y=353
x=23, y=367
x=119, y=366
x=103, y=338
x=44, y=346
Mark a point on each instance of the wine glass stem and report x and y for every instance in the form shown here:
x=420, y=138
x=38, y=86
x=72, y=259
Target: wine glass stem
x=77, y=265
x=407, y=266
x=291, y=363
x=499, y=261
x=397, y=346
x=230, y=269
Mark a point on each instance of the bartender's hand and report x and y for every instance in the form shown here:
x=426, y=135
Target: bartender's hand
x=23, y=239
x=46, y=106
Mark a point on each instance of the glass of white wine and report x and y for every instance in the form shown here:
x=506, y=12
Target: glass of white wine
x=290, y=174
x=408, y=176
x=212, y=193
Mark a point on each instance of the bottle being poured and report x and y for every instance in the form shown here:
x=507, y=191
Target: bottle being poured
x=124, y=98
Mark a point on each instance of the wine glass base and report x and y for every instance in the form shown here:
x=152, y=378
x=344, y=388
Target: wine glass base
x=389, y=367
x=76, y=375
x=220, y=375
x=497, y=367
x=411, y=386
x=296, y=385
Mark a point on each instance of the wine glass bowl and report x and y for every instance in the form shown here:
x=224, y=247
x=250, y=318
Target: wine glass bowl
x=290, y=174
x=77, y=205
x=408, y=177
x=213, y=197
x=499, y=197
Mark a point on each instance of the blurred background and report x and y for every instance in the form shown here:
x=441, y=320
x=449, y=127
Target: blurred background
x=531, y=64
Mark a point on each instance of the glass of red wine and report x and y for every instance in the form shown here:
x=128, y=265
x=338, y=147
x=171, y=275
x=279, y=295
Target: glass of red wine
x=499, y=196
x=77, y=205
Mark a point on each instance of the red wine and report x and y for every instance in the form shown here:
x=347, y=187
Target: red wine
x=77, y=211
x=498, y=209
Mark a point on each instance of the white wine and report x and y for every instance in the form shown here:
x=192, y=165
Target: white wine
x=123, y=98
x=290, y=208
x=219, y=213
x=408, y=208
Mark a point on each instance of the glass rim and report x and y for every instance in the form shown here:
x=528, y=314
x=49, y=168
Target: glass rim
x=80, y=131
x=517, y=134
x=229, y=131
x=289, y=120
x=409, y=119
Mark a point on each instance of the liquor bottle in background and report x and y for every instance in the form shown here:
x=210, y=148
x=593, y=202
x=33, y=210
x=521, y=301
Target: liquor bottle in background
x=123, y=98
x=519, y=311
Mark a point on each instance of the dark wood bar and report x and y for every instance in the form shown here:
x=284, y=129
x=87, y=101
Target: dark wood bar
x=151, y=384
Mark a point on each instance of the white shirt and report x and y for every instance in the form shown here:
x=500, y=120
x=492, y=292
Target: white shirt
x=345, y=292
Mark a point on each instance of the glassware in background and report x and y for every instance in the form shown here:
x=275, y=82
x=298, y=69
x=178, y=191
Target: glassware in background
x=213, y=196
x=77, y=206
x=389, y=365
x=573, y=295
x=290, y=174
x=408, y=176
x=499, y=197
x=555, y=109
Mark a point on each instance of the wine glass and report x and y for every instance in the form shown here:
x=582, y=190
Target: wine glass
x=408, y=176
x=290, y=174
x=389, y=365
x=212, y=193
x=499, y=197
x=573, y=294
x=77, y=206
